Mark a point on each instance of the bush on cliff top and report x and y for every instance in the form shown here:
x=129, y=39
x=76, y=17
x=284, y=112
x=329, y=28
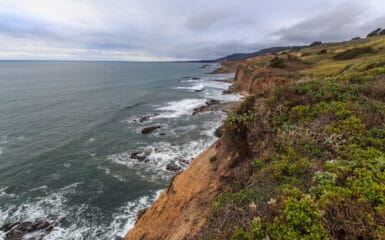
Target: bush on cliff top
x=353, y=53
x=317, y=154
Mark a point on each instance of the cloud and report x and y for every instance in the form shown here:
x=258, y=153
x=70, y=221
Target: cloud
x=207, y=19
x=174, y=29
x=347, y=20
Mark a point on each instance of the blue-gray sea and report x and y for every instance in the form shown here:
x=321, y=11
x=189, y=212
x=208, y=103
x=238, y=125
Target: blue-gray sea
x=68, y=129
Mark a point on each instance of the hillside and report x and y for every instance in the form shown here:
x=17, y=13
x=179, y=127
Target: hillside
x=302, y=157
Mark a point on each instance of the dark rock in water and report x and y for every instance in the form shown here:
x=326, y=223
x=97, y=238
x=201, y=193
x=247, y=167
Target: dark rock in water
x=199, y=90
x=211, y=105
x=150, y=129
x=206, y=65
x=162, y=134
x=119, y=238
x=172, y=166
x=145, y=118
x=195, y=78
x=140, y=156
x=212, y=102
x=17, y=230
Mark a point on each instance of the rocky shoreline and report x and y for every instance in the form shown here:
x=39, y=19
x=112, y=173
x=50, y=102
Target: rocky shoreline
x=201, y=190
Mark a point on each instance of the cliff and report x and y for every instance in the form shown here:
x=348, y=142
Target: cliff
x=302, y=157
x=181, y=210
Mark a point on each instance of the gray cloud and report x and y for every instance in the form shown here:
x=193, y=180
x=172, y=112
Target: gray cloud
x=345, y=21
x=174, y=29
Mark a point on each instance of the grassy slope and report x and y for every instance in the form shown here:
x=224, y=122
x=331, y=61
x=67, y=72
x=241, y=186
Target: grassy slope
x=315, y=141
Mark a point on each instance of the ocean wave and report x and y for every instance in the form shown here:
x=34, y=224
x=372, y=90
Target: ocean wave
x=158, y=155
x=125, y=217
x=107, y=171
x=175, y=109
x=69, y=219
x=51, y=206
x=193, y=88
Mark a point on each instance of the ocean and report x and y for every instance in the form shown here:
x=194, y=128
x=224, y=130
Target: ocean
x=70, y=134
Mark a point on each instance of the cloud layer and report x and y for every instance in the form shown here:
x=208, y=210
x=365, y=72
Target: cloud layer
x=155, y=30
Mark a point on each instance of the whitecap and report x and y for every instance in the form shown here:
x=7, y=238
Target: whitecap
x=107, y=171
x=193, y=88
x=175, y=109
x=124, y=220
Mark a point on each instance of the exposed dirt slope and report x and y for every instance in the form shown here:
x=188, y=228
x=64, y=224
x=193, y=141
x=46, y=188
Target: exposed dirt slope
x=180, y=211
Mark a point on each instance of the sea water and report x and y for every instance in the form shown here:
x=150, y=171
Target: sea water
x=68, y=129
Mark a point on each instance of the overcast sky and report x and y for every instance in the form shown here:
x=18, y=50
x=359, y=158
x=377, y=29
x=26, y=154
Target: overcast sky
x=152, y=30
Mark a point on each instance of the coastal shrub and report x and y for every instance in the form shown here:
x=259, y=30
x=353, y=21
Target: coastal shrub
x=258, y=164
x=240, y=198
x=277, y=62
x=353, y=53
x=240, y=123
x=316, y=43
x=213, y=159
x=323, y=51
x=380, y=63
x=255, y=231
x=300, y=219
x=335, y=109
x=317, y=167
x=350, y=126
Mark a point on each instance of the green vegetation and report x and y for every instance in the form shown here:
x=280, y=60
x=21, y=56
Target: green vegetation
x=315, y=153
x=213, y=159
x=353, y=53
x=277, y=62
x=323, y=51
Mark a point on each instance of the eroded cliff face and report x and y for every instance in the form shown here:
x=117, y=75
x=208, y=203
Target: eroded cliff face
x=182, y=209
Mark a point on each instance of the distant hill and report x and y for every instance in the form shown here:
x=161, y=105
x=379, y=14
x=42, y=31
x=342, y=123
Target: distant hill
x=240, y=56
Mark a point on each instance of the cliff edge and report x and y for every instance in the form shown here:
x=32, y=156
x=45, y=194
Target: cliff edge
x=180, y=210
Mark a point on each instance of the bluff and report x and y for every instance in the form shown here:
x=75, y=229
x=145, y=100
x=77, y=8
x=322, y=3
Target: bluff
x=302, y=157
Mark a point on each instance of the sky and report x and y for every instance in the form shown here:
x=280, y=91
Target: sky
x=168, y=30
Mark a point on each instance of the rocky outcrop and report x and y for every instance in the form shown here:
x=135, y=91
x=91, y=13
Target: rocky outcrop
x=212, y=105
x=172, y=166
x=20, y=230
x=150, y=129
x=140, y=156
x=145, y=118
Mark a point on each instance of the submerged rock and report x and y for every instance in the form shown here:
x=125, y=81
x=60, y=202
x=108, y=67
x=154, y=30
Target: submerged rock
x=199, y=90
x=206, y=66
x=145, y=118
x=18, y=230
x=150, y=129
x=211, y=105
x=140, y=156
x=172, y=166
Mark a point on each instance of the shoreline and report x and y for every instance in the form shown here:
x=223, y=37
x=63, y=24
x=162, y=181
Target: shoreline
x=184, y=192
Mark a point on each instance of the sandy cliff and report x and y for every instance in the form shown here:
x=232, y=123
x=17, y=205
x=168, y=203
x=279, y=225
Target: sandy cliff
x=179, y=212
